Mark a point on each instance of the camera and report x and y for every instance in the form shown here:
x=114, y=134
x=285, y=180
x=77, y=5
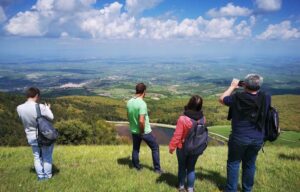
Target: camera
x=241, y=83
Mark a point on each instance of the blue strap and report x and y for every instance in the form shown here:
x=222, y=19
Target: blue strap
x=38, y=110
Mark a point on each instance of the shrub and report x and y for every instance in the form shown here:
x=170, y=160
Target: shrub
x=73, y=132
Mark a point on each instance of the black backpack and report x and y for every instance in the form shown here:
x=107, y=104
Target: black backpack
x=46, y=133
x=272, y=129
x=197, y=139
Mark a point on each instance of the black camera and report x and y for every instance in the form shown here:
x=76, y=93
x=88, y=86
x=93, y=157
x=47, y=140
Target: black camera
x=241, y=83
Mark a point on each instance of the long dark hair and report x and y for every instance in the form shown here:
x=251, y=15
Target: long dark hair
x=194, y=104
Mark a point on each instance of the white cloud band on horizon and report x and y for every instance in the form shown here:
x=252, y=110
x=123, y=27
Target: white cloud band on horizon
x=78, y=19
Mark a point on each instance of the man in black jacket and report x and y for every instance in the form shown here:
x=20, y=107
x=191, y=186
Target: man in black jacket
x=247, y=113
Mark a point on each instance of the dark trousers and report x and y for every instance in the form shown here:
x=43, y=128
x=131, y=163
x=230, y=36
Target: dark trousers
x=151, y=142
x=186, y=168
x=245, y=152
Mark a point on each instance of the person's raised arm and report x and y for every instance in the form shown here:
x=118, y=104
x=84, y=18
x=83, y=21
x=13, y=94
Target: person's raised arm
x=142, y=123
x=231, y=88
x=46, y=111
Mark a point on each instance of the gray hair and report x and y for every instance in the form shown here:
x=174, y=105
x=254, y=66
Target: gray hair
x=253, y=82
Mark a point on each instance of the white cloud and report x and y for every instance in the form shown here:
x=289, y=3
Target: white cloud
x=200, y=28
x=65, y=5
x=2, y=15
x=43, y=5
x=25, y=24
x=109, y=22
x=134, y=7
x=229, y=10
x=46, y=18
x=88, y=3
x=49, y=18
x=64, y=35
x=269, y=5
x=282, y=30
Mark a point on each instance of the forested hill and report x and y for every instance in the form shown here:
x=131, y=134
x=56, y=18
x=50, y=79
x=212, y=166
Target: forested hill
x=86, y=114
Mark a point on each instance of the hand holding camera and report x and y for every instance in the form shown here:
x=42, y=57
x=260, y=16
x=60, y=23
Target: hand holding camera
x=235, y=83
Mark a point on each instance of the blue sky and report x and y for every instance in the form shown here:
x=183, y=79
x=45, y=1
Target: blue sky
x=109, y=28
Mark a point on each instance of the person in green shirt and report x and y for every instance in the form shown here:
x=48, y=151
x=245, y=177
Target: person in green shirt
x=140, y=128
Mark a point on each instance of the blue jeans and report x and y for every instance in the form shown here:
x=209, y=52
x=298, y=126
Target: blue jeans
x=43, y=161
x=246, y=151
x=186, y=168
x=151, y=142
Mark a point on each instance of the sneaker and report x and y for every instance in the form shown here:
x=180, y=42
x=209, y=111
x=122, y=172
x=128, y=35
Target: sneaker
x=160, y=171
x=42, y=179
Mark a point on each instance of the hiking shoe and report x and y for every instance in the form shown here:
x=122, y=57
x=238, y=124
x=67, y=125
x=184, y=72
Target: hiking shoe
x=159, y=171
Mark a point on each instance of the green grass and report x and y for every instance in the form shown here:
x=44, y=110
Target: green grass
x=107, y=168
x=286, y=138
x=223, y=130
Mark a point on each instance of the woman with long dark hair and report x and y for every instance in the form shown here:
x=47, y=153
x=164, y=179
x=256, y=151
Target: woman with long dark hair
x=186, y=163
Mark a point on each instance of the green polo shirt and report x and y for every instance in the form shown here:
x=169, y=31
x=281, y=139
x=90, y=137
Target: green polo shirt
x=136, y=106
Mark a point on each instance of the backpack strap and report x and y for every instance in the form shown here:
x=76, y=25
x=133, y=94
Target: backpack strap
x=194, y=122
x=38, y=110
x=201, y=121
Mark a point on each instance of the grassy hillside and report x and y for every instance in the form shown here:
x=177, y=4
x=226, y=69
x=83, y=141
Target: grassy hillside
x=107, y=168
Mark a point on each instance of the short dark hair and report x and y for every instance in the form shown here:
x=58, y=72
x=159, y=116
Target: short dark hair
x=195, y=103
x=32, y=92
x=140, y=88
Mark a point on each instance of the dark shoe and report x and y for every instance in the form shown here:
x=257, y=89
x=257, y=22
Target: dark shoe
x=159, y=171
x=138, y=168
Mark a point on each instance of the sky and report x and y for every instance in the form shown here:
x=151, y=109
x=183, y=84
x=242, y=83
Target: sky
x=137, y=28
